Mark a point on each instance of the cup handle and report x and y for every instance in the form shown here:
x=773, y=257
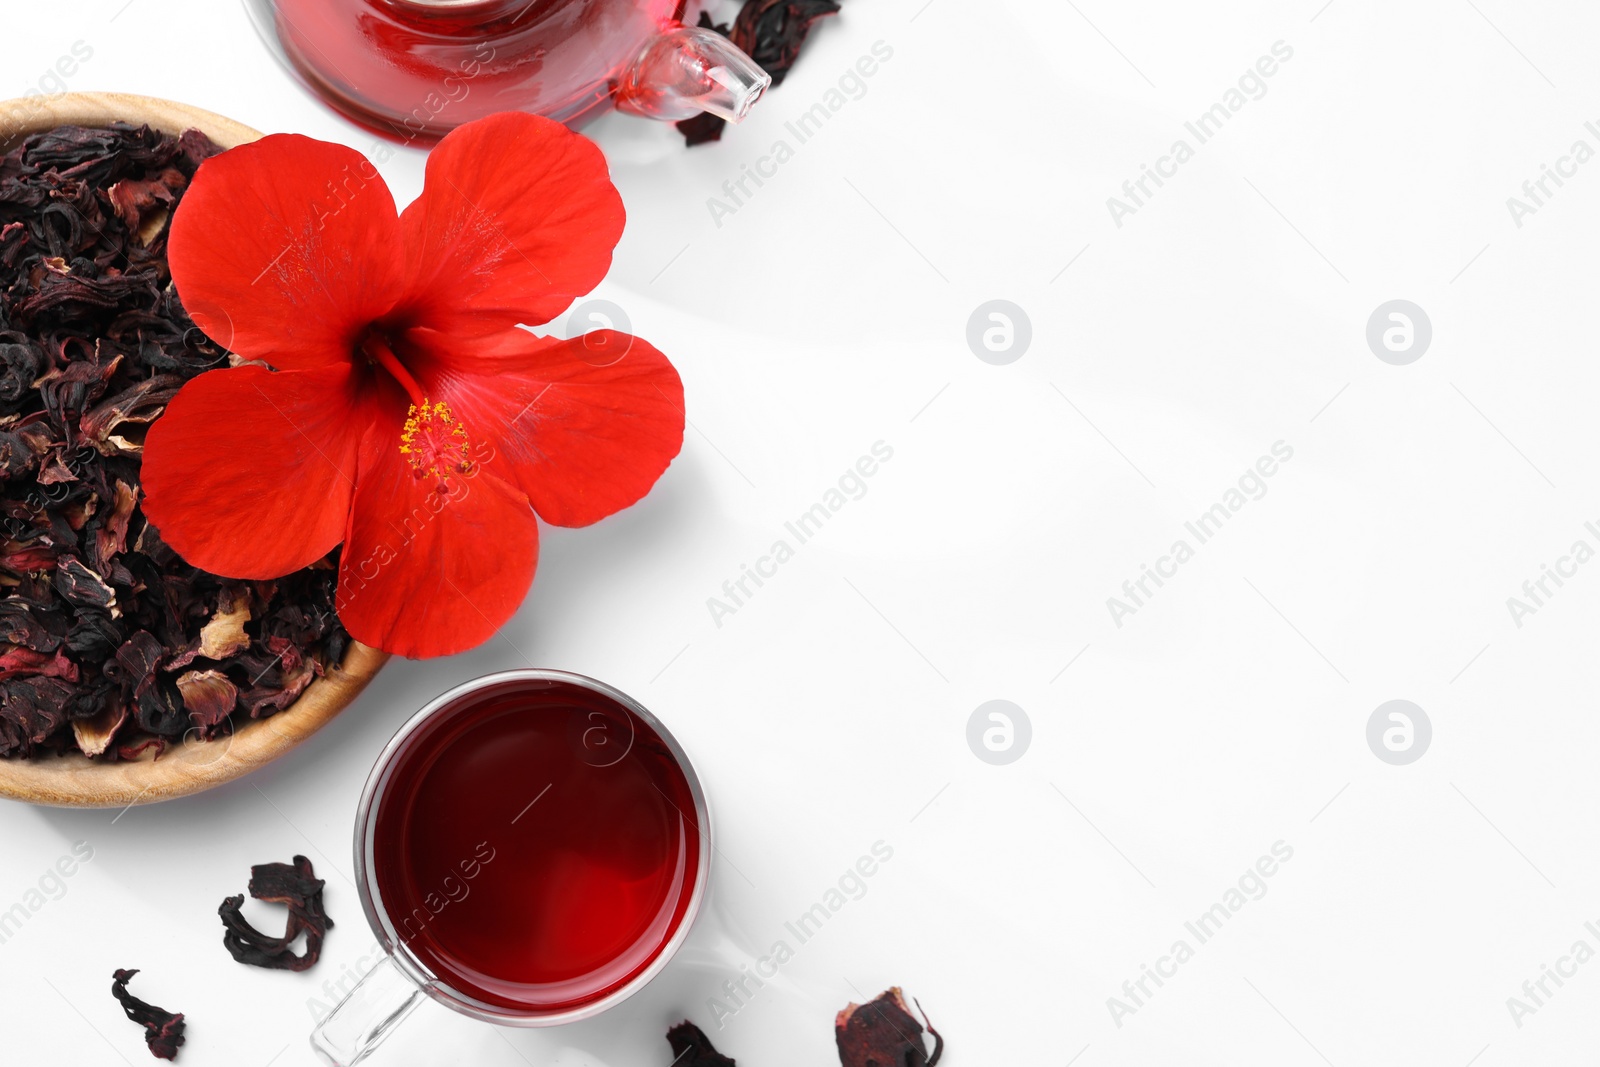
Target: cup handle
x=366, y=1016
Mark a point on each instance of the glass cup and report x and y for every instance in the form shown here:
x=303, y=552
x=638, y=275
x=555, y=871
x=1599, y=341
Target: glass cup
x=602, y=728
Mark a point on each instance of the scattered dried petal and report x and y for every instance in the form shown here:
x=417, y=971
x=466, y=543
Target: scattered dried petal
x=163, y=1030
x=884, y=1033
x=691, y=1048
x=702, y=128
x=294, y=885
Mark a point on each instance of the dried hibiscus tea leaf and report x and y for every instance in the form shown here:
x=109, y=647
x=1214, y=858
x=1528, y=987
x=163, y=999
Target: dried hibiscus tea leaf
x=691, y=1048
x=771, y=32
x=94, y=734
x=295, y=886
x=702, y=129
x=163, y=1030
x=884, y=1033
x=135, y=201
x=210, y=698
x=225, y=635
x=35, y=713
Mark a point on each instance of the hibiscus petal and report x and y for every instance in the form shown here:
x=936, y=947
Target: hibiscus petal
x=427, y=572
x=584, y=426
x=518, y=216
x=250, y=472
x=285, y=250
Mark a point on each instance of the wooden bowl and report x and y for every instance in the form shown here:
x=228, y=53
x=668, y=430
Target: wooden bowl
x=75, y=780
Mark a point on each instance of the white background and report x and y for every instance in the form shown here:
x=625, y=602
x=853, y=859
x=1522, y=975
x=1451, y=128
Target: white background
x=1168, y=754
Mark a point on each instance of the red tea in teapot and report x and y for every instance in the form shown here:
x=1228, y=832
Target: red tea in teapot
x=416, y=69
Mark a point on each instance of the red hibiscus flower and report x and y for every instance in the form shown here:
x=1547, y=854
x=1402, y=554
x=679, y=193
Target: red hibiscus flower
x=400, y=411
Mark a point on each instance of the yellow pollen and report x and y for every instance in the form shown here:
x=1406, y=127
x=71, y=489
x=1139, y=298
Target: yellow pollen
x=434, y=442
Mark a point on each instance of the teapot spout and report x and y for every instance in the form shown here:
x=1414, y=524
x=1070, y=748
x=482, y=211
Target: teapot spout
x=687, y=70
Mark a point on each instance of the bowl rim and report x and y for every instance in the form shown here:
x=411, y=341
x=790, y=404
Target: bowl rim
x=26, y=115
x=192, y=766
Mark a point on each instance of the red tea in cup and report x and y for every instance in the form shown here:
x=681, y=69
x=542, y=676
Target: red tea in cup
x=534, y=845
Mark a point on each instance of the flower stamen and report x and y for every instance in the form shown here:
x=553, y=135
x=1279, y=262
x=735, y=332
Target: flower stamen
x=434, y=442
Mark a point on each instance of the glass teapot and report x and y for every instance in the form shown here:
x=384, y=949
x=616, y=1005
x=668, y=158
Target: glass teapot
x=417, y=69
